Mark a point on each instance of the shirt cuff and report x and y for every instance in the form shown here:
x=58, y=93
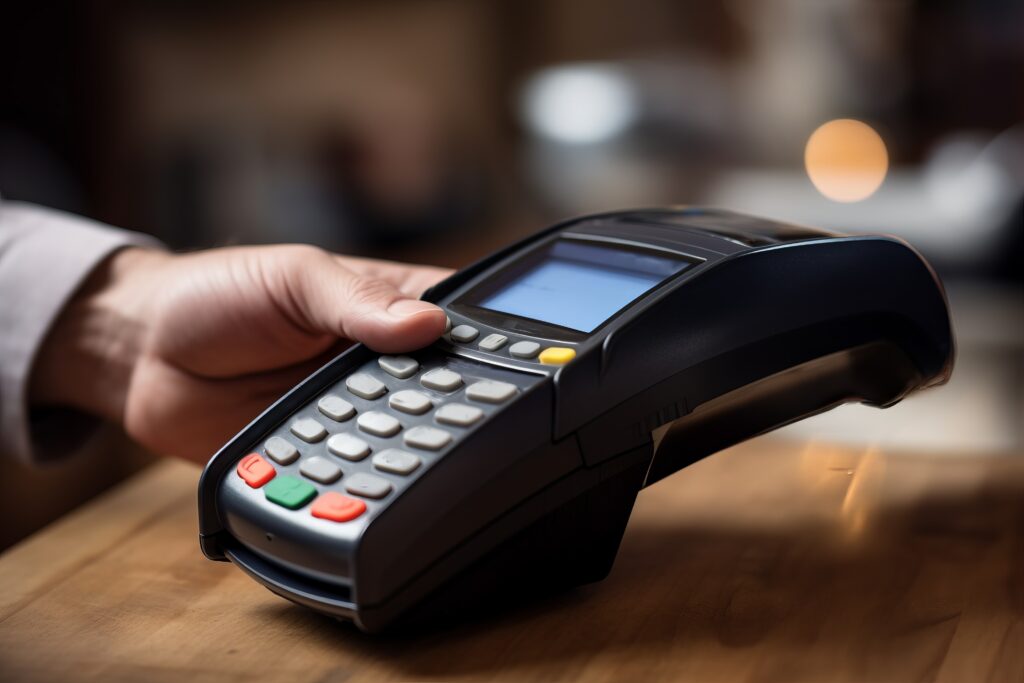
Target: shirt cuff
x=45, y=256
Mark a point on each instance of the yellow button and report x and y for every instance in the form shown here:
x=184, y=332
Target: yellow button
x=557, y=355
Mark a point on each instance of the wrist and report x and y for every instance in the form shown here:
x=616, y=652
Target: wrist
x=87, y=359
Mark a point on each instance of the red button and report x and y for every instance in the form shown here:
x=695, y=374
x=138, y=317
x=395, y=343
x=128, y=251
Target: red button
x=336, y=507
x=255, y=470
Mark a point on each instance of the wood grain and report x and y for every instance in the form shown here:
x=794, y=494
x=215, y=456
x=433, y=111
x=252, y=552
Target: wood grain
x=772, y=561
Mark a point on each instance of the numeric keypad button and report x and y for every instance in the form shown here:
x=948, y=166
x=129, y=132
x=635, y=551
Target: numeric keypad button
x=348, y=446
x=365, y=386
x=401, y=367
x=308, y=429
x=320, y=469
x=280, y=451
x=367, y=485
x=458, y=414
x=409, y=401
x=441, y=379
x=336, y=408
x=378, y=423
x=491, y=391
x=427, y=438
x=396, y=461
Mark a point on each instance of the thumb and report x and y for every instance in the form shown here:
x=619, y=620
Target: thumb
x=369, y=310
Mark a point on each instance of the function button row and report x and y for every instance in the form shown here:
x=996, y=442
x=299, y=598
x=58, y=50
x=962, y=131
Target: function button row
x=491, y=391
x=426, y=437
x=365, y=386
x=320, y=469
x=308, y=429
x=348, y=447
x=458, y=414
x=378, y=423
x=401, y=367
x=396, y=461
x=441, y=379
x=336, y=408
x=280, y=451
x=410, y=401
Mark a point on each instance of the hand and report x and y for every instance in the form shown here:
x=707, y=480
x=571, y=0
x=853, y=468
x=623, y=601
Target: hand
x=184, y=350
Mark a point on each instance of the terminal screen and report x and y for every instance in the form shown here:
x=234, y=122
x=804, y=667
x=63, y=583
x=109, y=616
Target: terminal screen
x=580, y=286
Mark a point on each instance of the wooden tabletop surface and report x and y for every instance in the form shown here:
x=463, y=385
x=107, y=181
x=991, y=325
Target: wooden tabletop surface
x=772, y=561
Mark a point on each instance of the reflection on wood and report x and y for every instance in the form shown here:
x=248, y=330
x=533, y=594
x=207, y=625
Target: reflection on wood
x=768, y=562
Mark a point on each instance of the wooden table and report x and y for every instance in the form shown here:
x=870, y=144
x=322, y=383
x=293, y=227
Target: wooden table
x=772, y=561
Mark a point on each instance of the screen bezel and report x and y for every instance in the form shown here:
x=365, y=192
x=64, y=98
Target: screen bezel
x=468, y=302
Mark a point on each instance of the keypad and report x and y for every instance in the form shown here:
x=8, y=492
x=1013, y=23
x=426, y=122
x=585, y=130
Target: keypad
x=410, y=401
x=441, y=379
x=464, y=333
x=490, y=391
x=401, y=367
x=367, y=485
x=280, y=451
x=320, y=469
x=378, y=423
x=348, y=446
x=427, y=438
x=365, y=386
x=308, y=429
x=336, y=408
x=396, y=461
x=458, y=414
x=383, y=424
x=524, y=349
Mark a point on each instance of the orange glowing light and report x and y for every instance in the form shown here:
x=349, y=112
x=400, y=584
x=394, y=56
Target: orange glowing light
x=846, y=160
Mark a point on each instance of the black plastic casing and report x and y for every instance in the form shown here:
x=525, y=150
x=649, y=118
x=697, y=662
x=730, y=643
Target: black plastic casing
x=770, y=324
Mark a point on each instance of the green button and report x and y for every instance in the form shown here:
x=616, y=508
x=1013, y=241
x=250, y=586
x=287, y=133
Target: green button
x=289, y=492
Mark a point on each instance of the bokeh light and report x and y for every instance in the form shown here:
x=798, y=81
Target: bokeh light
x=846, y=160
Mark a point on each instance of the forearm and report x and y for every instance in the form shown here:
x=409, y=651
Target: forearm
x=87, y=359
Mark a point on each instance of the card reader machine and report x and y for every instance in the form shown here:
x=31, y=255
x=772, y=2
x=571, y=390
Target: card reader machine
x=581, y=365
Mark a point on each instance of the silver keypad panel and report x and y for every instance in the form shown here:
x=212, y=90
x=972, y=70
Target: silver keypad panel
x=384, y=424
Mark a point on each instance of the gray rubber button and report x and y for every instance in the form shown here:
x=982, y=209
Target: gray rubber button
x=409, y=401
x=464, y=333
x=367, y=485
x=348, y=446
x=308, y=429
x=336, y=408
x=280, y=451
x=524, y=349
x=365, y=386
x=458, y=414
x=378, y=424
x=396, y=461
x=441, y=379
x=401, y=367
x=493, y=342
x=320, y=469
x=490, y=391
x=427, y=438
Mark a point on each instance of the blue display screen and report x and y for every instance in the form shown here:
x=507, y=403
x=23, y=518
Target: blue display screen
x=580, y=286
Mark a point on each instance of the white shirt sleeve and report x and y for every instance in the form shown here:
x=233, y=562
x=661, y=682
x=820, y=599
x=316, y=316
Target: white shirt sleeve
x=45, y=256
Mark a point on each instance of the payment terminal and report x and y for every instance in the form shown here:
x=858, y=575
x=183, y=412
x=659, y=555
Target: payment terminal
x=580, y=365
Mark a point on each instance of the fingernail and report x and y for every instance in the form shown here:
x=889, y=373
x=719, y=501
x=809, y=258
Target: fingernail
x=407, y=307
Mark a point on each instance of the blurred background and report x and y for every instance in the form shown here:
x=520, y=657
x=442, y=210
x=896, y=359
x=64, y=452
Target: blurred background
x=437, y=130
